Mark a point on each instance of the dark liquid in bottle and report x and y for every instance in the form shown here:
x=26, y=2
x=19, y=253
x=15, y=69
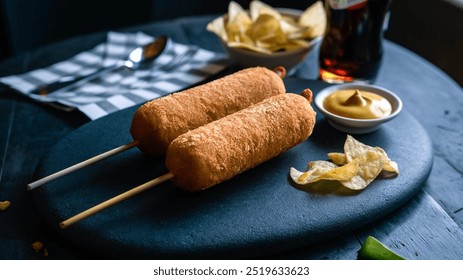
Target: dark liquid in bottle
x=352, y=47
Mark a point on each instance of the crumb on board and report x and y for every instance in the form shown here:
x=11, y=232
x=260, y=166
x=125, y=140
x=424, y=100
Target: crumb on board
x=37, y=246
x=4, y=204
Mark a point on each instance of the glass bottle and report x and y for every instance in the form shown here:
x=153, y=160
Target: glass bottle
x=351, y=49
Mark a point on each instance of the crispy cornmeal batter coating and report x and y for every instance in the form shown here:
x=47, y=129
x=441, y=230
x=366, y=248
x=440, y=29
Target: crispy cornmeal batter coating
x=224, y=148
x=158, y=122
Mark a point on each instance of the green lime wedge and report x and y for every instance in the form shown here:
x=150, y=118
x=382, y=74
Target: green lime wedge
x=372, y=249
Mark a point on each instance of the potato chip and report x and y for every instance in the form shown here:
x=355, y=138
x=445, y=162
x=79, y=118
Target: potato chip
x=354, y=148
x=314, y=18
x=315, y=170
x=238, y=23
x=258, y=8
x=342, y=173
x=264, y=29
x=290, y=27
x=390, y=169
x=370, y=165
x=324, y=170
x=236, y=13
x=355, y=169
x=249, y=47
x=338, y=158
x=218, y=27
x=289, y=46
x=391, y=166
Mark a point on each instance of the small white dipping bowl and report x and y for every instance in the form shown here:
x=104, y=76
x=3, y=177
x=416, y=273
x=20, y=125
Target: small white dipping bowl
x=358, y=126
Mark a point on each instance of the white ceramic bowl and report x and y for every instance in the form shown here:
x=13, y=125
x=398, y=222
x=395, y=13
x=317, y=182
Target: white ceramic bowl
x=358, y=126
x=288, y=59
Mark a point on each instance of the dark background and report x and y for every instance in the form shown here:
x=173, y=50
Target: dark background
x=431, y=28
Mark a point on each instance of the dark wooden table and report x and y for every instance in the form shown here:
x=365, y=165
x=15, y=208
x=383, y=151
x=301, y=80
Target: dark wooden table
x=429, y=226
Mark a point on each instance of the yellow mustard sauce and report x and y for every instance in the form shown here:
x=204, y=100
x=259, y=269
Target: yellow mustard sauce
x=357, y=105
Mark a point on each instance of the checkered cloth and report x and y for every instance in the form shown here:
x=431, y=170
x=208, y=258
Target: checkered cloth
x=178, y=67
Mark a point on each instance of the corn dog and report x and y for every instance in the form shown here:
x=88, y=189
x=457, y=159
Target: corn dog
x=224, y=148
x=157, y=123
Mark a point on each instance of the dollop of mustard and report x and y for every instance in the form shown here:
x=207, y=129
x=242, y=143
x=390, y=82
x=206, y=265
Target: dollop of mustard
x=357, y=105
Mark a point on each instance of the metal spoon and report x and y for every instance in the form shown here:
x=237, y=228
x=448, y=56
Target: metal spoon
x=138, y=57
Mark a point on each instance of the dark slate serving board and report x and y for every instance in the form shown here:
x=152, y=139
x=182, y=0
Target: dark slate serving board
x=257, y=213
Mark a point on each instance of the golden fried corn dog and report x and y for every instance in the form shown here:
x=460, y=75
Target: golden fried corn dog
x=224, y=148
x=158, y=122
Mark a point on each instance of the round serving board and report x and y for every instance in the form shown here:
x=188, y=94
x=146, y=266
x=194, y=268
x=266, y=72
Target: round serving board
x=255, y=214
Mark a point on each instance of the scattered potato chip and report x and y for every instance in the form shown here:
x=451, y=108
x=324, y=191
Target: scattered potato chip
x=391, y=166
x=390, y=169
x=315, y=170
x=342, y=173
x=4, y=205
x=354, y=148
x=370, y=165
x=325, y=170
x=264, y=29
x=355, y=169
x=338, y=158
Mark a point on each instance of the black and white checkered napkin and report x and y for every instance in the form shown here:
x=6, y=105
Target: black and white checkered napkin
x=178, y=67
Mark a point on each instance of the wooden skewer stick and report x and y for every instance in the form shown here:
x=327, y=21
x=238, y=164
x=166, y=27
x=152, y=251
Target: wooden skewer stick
x=116, y=199
x=80, y=165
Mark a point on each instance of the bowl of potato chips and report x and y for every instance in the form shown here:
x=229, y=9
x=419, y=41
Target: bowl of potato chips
x=267, y=36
